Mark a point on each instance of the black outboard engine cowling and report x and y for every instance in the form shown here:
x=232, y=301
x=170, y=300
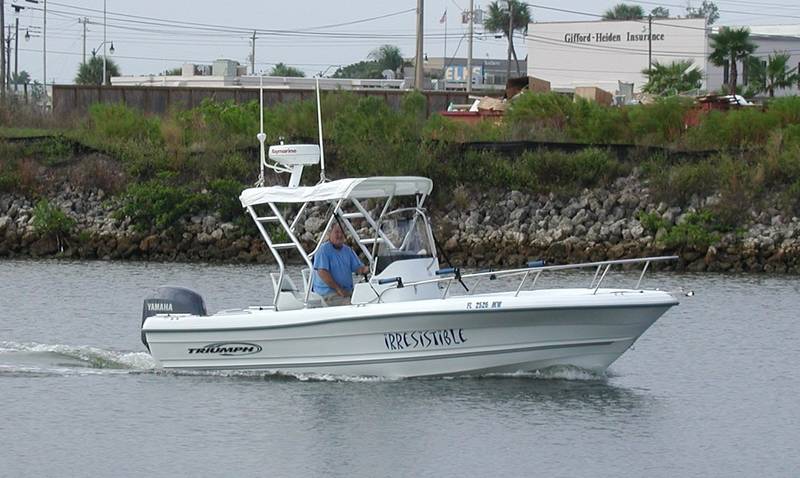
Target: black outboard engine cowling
x=172, y=300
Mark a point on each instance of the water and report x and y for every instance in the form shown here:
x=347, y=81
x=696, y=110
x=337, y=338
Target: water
x=710, y=390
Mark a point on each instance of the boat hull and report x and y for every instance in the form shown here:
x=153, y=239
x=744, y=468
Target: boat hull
x=466, y=335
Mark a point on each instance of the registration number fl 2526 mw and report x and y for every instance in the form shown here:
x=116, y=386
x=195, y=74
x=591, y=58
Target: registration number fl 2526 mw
x=423, y=339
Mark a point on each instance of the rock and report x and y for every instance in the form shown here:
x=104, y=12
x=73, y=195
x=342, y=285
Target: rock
x=209, y=222
x=205, y=238
x=217, y=234
x=44, y=246
x=148, y=243
x=451, y=244
x=314, y=224
x=5, y=223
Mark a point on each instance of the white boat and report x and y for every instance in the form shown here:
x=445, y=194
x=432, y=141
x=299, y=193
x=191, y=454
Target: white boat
x=404, y=319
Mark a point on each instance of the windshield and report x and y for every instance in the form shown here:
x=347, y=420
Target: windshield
x=407, y=234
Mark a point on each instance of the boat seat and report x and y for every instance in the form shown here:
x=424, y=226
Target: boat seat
x=290, y=297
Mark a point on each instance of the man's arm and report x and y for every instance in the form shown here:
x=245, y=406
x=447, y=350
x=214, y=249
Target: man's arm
x=327, y=278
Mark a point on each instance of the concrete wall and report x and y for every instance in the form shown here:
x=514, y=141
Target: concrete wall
x=74, y=100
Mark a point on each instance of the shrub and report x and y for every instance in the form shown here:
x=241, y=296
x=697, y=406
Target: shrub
x=698, y=231
x=652, y=221
x=539, y=115
x=596, y=124
x=50, y=221
x=157, y=203
x=660, y=122
x=786, y=110
x=372, y=139
x=115, y=122
x=224, y=198
x=98, y=172
x=733, y=129
x=9, y=179
x=677, y=184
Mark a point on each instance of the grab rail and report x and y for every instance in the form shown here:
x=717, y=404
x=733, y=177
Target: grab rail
x=539, y=269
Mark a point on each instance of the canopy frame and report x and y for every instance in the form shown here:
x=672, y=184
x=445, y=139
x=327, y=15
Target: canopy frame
x=344, y=210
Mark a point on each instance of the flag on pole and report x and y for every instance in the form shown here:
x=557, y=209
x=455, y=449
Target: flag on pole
x=444, y=17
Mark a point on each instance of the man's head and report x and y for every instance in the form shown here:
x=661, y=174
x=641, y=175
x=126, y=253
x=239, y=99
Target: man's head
x=336, y=236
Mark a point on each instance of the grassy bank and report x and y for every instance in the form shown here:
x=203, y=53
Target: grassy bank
x=199, y=159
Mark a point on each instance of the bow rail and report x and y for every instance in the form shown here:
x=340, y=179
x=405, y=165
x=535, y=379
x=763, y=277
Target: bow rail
x=536, y=268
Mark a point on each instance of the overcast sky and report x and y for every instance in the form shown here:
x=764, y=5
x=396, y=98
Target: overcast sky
x=147, y=38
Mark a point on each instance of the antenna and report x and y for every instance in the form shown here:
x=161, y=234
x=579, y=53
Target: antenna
x=321, y=148
x=261, y=136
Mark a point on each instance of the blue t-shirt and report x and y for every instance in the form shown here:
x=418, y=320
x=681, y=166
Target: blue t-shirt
x=340, y=263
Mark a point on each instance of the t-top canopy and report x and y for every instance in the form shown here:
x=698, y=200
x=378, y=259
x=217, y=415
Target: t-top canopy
x=357, y=188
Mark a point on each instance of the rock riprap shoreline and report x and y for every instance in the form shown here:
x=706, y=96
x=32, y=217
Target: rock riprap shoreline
x=475, y=228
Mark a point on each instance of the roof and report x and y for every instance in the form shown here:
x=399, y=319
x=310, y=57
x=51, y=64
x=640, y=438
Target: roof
x=358, y=188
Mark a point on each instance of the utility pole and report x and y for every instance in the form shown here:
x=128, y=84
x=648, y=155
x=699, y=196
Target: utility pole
x=510, y=34
x=253, y=55
x=650, y=43
x=418, y=66
x=84, y=20
x=2, y=50
x=16, y=46
x=105, y=76
x=469, y=45
x=44, y=50
x=8, y=57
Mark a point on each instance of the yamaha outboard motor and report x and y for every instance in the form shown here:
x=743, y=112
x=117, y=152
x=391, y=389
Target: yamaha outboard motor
x=172, y=300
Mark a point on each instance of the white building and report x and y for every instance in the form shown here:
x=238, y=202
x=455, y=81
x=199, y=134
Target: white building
x=229, y=74
x=605, y=53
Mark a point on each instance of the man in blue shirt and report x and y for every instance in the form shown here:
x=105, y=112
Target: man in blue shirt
x=334, y=265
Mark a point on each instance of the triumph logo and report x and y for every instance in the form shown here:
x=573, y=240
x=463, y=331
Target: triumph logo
x=227, y=349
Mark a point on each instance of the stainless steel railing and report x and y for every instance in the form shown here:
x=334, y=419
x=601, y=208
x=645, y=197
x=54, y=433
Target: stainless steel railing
x=526, y=272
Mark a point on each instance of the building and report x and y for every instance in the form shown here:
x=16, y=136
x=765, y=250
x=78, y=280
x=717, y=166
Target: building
x=230, y=74
x=610, y=54
x=487, y=73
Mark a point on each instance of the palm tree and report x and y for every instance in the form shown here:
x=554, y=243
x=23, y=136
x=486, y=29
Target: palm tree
x=497, y=20
x=731, y=45
x=775, y=74
x=659, y=12
x=91, y=72
x=282, y=69
x=707, y=10
x=673, y=78
x=21, y=78
x=623, y=11
x=388, y=57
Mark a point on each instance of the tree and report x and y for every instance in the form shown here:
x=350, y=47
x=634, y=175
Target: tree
x=388, y=57
x=177, y=71
x=731, y=45
x=707, y=10
x=673, y=78
x=775, y=74
x=497, y=20
x=91, y=72
x=659, y=12
x=623, y=11
x=282, y=69
x=21, y=78
x=361, y=69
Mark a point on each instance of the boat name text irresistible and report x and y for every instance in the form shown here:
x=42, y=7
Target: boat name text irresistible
x=423, y=339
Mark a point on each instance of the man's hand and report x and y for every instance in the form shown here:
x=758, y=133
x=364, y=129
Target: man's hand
x=341, y=292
